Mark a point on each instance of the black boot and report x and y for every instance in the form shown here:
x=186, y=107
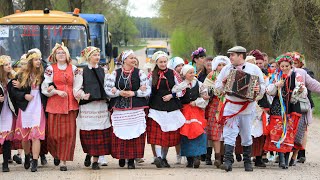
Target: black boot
x=131, y=164
x=56, y=161
x=165, y=163
x=5, y=167
x=264, y=158
x=196, y=162
x=6, y=148
x=158, y=162
x=247, y=158
x=87, y=161
x=299, y=154
x=63, y=168
x=208, y=156
x=286, y=159
x=122, y=162
x=228, y=158
x=281, y=161
x=17, y=158
x=203, y=157
x=217, y=160
x=43, y=159
x=222, y=158
x=10, y=159
x=190, y=162
x=34, y=165
x=259, y=162
x=95, y=166
x=27, y=161
x=302, y=157
x=238, y=157
x=292, y=162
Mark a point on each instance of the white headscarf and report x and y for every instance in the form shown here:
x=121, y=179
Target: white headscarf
x=174, y=62
x=248, y=58
x=158, y=55
x=184, y=84
x=219, y=59
x=126, y=54
x=185, y=69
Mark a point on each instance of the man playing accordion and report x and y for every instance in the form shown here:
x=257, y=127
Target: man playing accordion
x=238, y=108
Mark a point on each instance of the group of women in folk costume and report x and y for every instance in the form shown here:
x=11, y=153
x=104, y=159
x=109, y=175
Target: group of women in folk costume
x=176, y=105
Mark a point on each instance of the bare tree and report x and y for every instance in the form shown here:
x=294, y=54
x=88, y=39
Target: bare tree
x=307, y=15
x=37, y=4
x=6, y=7
x=76, y=4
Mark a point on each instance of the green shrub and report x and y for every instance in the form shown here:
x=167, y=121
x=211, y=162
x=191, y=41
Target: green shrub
x=316, y=109
x=185, y=40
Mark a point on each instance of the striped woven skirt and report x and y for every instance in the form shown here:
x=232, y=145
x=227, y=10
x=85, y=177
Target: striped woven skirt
x=62, y=135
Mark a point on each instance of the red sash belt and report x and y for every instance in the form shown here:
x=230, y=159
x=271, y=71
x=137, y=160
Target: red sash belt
x=223, y=119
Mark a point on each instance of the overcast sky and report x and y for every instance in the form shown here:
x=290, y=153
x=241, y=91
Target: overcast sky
x=143, y=8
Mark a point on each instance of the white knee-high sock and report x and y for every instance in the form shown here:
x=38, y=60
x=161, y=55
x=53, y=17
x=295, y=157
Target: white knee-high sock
x=158, y=150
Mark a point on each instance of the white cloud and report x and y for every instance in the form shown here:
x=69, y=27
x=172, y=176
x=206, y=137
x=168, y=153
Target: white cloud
x=143, y=8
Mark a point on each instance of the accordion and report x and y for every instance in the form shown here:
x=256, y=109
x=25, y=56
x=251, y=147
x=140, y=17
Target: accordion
x=241, y=84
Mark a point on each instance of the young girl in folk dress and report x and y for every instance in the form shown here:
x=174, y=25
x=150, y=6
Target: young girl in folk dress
x=7, y=116
x=31, y=118
x=176, y=64
x=194, y=139
x=165, y=117
x=128, y=102
x=17, y=145
x=214, y=128
x=286, y=87
x=93, y=119
x=61, y=80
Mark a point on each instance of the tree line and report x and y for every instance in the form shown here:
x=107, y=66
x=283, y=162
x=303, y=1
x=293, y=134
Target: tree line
x=273, y=26
x=147, y=29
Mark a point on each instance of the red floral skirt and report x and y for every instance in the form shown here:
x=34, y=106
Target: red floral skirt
x=275, y=130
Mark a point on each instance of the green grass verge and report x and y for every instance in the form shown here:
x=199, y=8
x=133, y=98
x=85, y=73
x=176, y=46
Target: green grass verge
x=316, y=109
